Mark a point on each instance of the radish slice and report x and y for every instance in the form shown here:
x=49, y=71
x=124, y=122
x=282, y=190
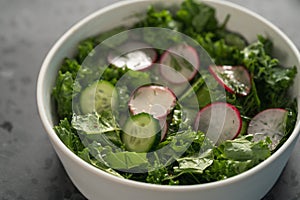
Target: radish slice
x=164, y=128
x=155, y=100
x=235, y=79
x=269, y=123
x=179, y=64
x=220, y=121
x=134, y=55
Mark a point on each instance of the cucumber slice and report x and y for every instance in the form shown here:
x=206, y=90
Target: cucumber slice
x=98, y=97
x=141, y=133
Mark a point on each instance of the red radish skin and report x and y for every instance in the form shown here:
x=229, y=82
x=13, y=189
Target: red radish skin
x=223, y=112
x=136, y=56
x=164, y=128
x=269, y=122
x=163, y=125
x=183, y=52
x=238, y=75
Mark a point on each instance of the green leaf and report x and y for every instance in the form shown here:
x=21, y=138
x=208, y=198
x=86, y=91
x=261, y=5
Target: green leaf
x=233, y=39
x=160, y=175
x=64, y=92
x=242, y=149
x=126, y=160
x=233, y=157
x=85, y=48
x=115, y=158
x=70, y=65
x=205, y=20
x=197, y=15
x=68, y=136
x=85, y=155
x=99, y=127
x=159, y=18
x=95, y=123
x=220, y=52
x=272, y=80
x=280, y=79
x=193, y=165
x=113, y=74
x=135, y=79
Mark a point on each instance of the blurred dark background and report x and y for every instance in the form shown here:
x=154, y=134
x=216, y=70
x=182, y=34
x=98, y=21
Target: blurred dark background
x=29, y=167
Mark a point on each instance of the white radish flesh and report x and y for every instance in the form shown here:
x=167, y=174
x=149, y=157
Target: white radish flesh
x=134, y=55
x=155, y=100
x=220, y=121
x=235, y=79
x=268, y=123
x=179, y=64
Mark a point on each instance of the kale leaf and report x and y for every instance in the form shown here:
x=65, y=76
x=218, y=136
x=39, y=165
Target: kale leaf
x=236, y=156
x=197, y=16
x=68, y=136
x=64, y=92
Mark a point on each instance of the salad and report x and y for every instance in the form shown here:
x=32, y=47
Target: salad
x=169, y=116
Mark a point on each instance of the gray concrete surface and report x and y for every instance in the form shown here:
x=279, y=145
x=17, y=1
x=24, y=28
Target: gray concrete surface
x=29, y=167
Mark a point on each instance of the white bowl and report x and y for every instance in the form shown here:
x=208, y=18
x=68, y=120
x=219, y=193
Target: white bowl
x=97, y=184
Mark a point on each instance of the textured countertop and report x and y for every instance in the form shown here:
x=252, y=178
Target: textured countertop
x=29, y=167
